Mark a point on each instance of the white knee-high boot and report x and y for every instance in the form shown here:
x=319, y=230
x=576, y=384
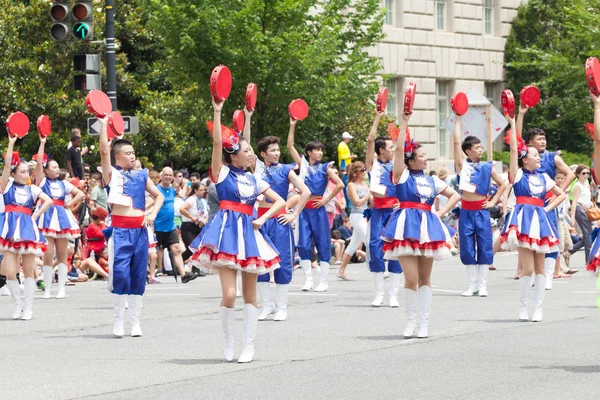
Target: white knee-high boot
x=28, y=303
x=282, y=300
x=378, y=280
x=410, y=309
x=472, y=274
x=238, y=284
x=549, y=264
x=524, y=288
x=393, y=289
x=424, y=295
x=227, y=322
x=268, y=307
x=482, y=277
x=135, y=310
x=62, y=281
x=119, y=311
x=323, y=284
x=15, y=292
x=308, y=283
x=538, y=297
x=250, y=325
x=47, y=274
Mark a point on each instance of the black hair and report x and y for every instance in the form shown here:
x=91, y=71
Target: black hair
x=335, y=234
x=195, y=186
x=312, y=145
x=412, y=155
x=469, y=142
x=533, y=132
x=264, y=143
x=227, y=155
x=195, y=174
x=177, y=172
x=520, y=160
x=118, y=144
x=75, y=138
x=381, y=144
x=580, y=169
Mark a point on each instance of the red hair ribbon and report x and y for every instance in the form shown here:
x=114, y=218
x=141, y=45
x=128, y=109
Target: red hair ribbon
x=16, y=159
x=44, y=160
x=229, y=137
x=521, y=145
x=409, y=145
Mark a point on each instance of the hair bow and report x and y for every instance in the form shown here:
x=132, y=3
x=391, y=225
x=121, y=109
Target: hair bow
x=409, y=145
x=521, y=145
x=14, y=162
x=230, y=139
x=44, y=160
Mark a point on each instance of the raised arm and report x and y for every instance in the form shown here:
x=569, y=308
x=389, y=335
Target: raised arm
x=521, y=117
x=458, y=154
x=290, y=143
x=370, y=157
x=399, y=154
x=7, y=162
x=246, y=135
x=217, y=153
x=105, y=151
x=514, y=151
x=39, y=169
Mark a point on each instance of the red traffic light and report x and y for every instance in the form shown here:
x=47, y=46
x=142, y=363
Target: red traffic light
x=82, y=11
x=59, y=12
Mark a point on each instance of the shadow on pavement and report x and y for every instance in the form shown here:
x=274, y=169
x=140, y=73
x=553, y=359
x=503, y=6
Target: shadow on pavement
x=577, y=369
x=385, y=337
x=197, y=361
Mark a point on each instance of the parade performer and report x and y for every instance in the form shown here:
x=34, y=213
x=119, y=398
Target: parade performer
x=474, y=224
x=594, y=258
x=313, y=223
x=58, y=224
x=279, y=227
x=19, y=235
x=416, y=235
x=384, y=203
x=550, y=162
x=128, y=258
x=528, y=227
x=232, y=240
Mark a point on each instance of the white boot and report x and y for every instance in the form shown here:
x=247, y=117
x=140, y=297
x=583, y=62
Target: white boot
x=549, y=264
x=424, y=295
x=250, y=324
x=306, y=268
x=135, y=310
x=482, y=277
x=62, y=281
x=28, y=303
x=227, y=322
x=524, y=288
x=119, y=309
x=15, y=292
x=238, y=284
x=394, y=286
x=323, y=285
x=410, y=309
x=472, y=273
x=378, y=280
x=282, y=300
x=538, y=297
x=265, y=294
x=47, y=275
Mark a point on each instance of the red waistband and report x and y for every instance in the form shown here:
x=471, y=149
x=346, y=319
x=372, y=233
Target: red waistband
x=20, y=209
x=416, y=205
x=549, y=195
x=119, y=221
x=533, y=201
x=57, y=202
x=239, y=207
x=263, y=210
x=384, y=202
x=472, y=205
x=310, y=204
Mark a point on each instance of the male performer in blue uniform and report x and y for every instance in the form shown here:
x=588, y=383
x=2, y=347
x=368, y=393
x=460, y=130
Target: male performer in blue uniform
x=128, y=245
x=550, y=163
x=474, y=224
x=379, y=162
x=313, y=223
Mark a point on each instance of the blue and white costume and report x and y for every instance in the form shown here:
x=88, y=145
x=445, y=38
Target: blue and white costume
x=413, y=229
x=229, y=239
x=18, y=232
x=548, y=166
x=58, y=222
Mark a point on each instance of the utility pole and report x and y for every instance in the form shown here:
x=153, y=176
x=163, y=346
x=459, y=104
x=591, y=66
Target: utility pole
x=111, y=67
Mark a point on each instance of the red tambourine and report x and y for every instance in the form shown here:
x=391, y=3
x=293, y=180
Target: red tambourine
x=382, y=99
x=44, y=126
x=17, y=124
x=298, y=109
x=530, y=96
x=409, y=97
x=116, y=125
x=508, y=103
x=251, y=94
x=98, y=103
x=238, y=120
x=459, y=103
x=220, y=83
x=592, y=74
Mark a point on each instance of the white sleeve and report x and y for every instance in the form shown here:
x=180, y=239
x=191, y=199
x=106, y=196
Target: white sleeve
x=35, y=191
x=549, y=182
x=9, y=184
x=403, y=177
x=68, y=187
x=223, y=173
x=262, y=185
x=440, y=185
x=518, y=176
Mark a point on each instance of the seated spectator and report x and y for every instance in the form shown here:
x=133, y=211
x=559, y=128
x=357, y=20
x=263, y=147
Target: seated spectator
x=338, y=245
x=94, y=234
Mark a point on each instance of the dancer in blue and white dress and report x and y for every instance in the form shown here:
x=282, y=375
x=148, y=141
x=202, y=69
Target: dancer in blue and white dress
x=19, y=236
x=415, y=235
x=528, y=227
x=58, y=224
x=232, y=240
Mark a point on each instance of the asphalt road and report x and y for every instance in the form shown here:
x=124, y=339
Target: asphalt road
x=334, y=345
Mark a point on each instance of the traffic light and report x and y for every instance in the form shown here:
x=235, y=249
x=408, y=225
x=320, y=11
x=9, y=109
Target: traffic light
x=90, y=65
x=83, y=20
x=61, y=22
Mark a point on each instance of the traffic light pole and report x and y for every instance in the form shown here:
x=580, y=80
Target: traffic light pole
x=111, y=67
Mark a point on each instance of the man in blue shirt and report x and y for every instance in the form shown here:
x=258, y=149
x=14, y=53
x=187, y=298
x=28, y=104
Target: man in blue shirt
x=164, y=225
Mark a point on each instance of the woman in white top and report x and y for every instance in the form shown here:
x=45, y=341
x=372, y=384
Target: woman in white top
x=194, y=215
x=582, y=200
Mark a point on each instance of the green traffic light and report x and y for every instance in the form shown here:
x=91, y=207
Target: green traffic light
x=81, y=30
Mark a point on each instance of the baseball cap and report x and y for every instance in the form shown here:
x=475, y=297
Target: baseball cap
x=347, y=135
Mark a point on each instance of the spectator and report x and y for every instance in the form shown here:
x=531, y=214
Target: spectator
x=77, y=132
x=74, y=162
x=194, y=215
x=338, y=245
x=336, y=208
x=345, y=229
x=99, y=197
x=344, y=154
x=582, y=200
x=94, y=232
x=195, y=178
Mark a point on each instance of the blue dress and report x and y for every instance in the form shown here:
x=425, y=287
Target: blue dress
x=58, y=222
x=229, y=239
x=413, y=229
x=528, y=225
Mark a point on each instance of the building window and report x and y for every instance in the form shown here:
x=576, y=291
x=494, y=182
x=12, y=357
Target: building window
x=440, y=14
x=488, y=16
x=392, y=86
x=492, y=93
x=443, y=104
x=389, y=12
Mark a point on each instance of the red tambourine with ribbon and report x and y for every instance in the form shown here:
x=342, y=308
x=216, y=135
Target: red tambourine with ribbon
x=409, y=97
x=251, y=95
x=238, y=120
x=220, y=83
x=116, y=125
x=508, y=103
x=530, y=96
x=98, y=103
x=382, y=99
x=592, y=74
x=298, y=109
x=17, y=124
x=44, y=125
x=459, y=103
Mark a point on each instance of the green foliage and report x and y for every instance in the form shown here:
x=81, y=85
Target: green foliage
x=568, y=157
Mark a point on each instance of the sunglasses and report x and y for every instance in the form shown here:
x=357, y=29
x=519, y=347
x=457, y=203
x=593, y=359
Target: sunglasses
x=585, y=173
x=363, y=170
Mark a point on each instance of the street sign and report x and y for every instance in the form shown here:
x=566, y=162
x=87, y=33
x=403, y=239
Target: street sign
x=132, y=125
